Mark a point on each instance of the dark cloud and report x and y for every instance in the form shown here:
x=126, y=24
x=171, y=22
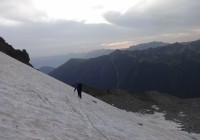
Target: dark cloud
x=161, y=15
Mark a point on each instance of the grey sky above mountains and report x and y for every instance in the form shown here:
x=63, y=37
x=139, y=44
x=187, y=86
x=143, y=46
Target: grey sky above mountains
x=49, y=27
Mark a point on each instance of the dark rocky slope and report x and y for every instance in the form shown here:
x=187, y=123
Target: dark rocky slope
x=183, y=111
x=22, y=56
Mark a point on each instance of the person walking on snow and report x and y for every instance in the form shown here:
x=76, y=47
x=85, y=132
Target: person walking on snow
x=78, y=87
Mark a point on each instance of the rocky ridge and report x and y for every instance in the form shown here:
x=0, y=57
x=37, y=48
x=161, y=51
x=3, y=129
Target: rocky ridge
x=20, y=55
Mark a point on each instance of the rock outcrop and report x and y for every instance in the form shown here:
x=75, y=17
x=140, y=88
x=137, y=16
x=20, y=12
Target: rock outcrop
x=20, y=55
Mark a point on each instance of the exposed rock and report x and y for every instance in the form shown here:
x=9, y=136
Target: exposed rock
x=183, y=111
x=22, y=56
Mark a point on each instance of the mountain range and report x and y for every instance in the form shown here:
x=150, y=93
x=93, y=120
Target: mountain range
x=172, y=69
x=57, y=60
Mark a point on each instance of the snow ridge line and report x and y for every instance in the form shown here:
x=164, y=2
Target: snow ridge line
x=91, y=121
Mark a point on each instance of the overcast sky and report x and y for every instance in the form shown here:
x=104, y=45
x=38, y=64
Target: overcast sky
x=52, y=27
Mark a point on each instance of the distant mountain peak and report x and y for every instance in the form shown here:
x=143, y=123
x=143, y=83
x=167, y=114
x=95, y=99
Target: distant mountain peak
x=153, y=44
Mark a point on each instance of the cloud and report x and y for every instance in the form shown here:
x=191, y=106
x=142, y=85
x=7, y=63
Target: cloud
x=154, y=15
x=62, y=36
x=19, y=11
x=65, y=36
x=24, y=27
x=118, y=45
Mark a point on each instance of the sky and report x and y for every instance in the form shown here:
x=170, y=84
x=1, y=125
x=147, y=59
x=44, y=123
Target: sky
x=53, y=27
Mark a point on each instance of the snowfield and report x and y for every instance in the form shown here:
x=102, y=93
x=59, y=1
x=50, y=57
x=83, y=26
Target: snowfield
x=34, y=106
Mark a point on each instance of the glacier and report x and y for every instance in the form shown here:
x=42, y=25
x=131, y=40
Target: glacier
x=35, y=106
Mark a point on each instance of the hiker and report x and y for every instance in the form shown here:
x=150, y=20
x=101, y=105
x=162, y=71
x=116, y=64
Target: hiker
x=78, y=87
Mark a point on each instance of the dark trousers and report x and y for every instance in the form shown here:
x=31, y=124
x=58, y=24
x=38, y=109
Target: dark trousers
x=79, y=94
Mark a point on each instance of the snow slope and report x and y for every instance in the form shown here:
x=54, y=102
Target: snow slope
x=34, y=106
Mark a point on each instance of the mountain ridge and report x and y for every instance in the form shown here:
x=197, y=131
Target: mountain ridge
x=172, y=69
x=153, y=44
x=22, y=56
x=55, y=61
